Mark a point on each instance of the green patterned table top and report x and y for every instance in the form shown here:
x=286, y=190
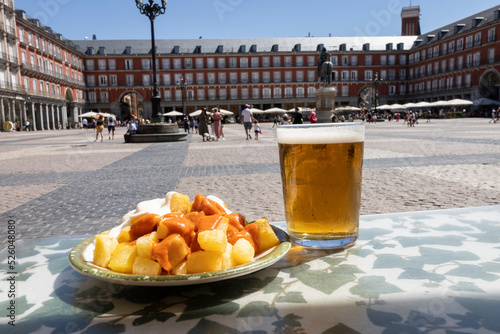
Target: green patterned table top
x=421, y=272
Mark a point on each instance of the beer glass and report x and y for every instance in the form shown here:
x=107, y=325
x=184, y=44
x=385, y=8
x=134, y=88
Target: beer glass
x=321, y=166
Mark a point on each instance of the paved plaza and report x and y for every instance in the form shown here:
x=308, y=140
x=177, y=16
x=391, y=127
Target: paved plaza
x=59, y=183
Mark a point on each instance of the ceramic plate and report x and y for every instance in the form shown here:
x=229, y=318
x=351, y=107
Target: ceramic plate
x=81, y=257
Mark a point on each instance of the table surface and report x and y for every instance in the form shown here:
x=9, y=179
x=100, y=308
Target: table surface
x=419, y=272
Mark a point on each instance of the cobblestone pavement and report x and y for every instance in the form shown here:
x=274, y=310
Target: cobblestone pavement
x=58, y=183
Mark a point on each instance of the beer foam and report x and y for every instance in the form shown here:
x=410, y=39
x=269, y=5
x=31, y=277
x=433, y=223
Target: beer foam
x=321, y=133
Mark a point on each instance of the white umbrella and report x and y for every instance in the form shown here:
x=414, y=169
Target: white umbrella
x=438, y=104
x=257, y=111
x=396, y=107
x=275, y=110
x=410, y=105
x=347, y=108
x=198, y=113
x=173, y=113
x=88, y=114
x=301, y=109
x=459, y=102
x=423, y=104
x=384, y=107
x=226, y=112
x=483, y=101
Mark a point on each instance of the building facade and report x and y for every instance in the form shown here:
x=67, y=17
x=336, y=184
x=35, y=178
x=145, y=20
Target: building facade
x=49, y=80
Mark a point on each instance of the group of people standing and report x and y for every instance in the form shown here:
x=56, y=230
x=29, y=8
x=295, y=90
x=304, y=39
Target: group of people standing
x=204, y=123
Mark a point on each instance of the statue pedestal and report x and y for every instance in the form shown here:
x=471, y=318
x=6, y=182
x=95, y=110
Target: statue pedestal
x=325, y=103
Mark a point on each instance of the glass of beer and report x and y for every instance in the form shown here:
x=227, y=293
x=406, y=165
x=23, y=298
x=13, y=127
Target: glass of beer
x=321, y=167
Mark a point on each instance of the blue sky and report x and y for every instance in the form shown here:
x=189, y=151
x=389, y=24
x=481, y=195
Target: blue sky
x=120, y=19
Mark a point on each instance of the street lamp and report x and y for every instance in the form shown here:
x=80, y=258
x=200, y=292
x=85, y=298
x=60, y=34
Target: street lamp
x=182, y=85
x=375, y=83
x=153, y=10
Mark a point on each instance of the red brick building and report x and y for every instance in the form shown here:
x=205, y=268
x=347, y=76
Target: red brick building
x=459, y=60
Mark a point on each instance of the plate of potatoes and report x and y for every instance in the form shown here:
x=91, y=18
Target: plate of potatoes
x=196, y=242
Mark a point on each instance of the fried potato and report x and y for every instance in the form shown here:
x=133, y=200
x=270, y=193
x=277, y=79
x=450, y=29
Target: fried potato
x=180, y=203
x=146, y=267
x=213, y=240
x=104, y=247
x=242, y=252
x=123, y=257
x=203, y=261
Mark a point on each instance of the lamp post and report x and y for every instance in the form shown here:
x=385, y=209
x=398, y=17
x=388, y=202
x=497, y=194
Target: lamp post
x=182, y=85
x=153, y=10
x=375, y=83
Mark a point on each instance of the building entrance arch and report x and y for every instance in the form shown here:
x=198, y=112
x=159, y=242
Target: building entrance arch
x=131, y=105
x=489, y=85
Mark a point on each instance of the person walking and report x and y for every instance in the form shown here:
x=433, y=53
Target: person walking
x=246, y=120
x=111, y=126
x=297, y=117
x=217, y=123
x=99, y=127
x=256, y=129
x=203, y=124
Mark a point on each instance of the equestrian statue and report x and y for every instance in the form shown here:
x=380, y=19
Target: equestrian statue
x=325, y=68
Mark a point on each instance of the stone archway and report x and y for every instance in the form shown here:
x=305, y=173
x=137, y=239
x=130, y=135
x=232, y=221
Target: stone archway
x=489, y=85
x=131, y=105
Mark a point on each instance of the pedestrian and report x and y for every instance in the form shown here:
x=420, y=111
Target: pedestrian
x=275, y=124
x=85, y=124
x=111, y=126
x=246, y=120
x=195, y=122
x=217, y=123
x=297, y=117
x=312, y=117
x=256, y=129
x=191, y=124
x=203, y=125
x=131, y=128
x=99, y=127
x=27, y=125
x=186, y=124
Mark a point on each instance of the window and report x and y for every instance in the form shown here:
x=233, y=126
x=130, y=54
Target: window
x=368, y=60
x=211, y=94
x=146, y=80
x=244, y=77
x=288, y=61
x=130, y=80
x=451, y=46
x=101, y=64
x=167, y=95
x=112, y=80
x=112, y=64
x=288, y=92
x=233, y=62
x=189, y=78
x=417, y=56
x=392, y=74
x=178, y=95
x=92, y=97
x=199, y=62
x=402, y=59
x=492, y=34
x=444, y=49
x=345, y=90
x=243, y=62
x=299, y=61
x=299, y=76
x=460, y=44
x=468, y=60
x=21, y=34
x=402, y=74
x=354, y=75
x=449, y=83
x=103, y=80
x=311, y=76
x=476, y=60
x=392, y=90
x=435, y=52
x=90, y=80
x=266, y=93
x=167, y=80
x=277, y=92
x=468, y=81
x=468, y=41
x=491, y=56
x=255, y=61
x=383, y=60
x=477, y=39
x=345, y=75
x=222, y=93
x=288, y=76
x=311, y=60
x=210, y=62
x=459, y=81
x=443, y=66
x=255, y=93
x=266, y=77
x=233, y=77
x=436, y=67
x=276, y=61
x=129, y=64
x=300, y=92
x=428, y=85
x=311, y=91
x=383, y=75
x=188, y=63
x=402, y=90
x=177, y=63
x=23, y=57
x=255, y=77
x=165, y=63
x=234, y=93
x=200, y=78
x=89, y=64
x=392, y=60
x=368, y=75
x=277, y=76
x=265, y=61
x=222, y=77
x=460, y=62
x=354, y=60
x=211, y=78
x=244, y=93
x=345, y=60
x=104, y=97
x=452, y=64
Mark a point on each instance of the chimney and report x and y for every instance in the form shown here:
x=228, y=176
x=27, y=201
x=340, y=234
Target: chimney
x=410, y=20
